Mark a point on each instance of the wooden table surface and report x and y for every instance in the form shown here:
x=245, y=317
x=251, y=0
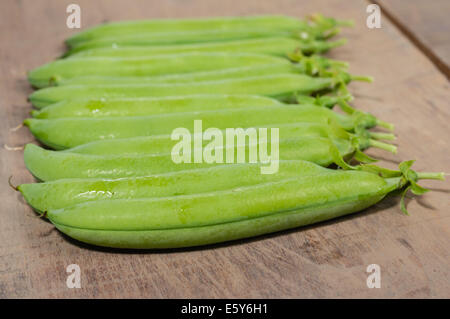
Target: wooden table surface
x=325, y=260
x=426, y=24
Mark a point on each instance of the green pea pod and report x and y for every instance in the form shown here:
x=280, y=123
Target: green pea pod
x=215, y=75
x=207, y=218
x=163, y=143
x=69, y=132
x=279, y=86
x=313, y=66
x=125, y=28
x=194, y=37
x=151, y=106
x=204, y=36
x=48, y=165
x=180, y=38
x=267, y=25
x=279, y=46
x=68, y=192
x=155, y=65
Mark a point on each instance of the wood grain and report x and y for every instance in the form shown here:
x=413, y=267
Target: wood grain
x=326, y=260
x=426, y=24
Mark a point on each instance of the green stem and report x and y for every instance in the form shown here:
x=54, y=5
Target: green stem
x=322, y=20
x=328, y=34
x=346, y=107
x=384, y=146
x=336, y=63
x=361, y=78
x=345, y=23
x=386, y=125
x=382, y=136
x=428, y=175
x=338, y=43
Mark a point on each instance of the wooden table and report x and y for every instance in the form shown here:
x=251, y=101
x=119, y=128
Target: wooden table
x=325, y=260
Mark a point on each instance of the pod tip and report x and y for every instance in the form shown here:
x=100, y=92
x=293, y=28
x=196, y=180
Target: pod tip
x=16, y=188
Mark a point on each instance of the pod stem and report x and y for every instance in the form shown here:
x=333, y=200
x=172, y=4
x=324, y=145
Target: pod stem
x=361, y=78
x=405, y=178
x=329, y=22
x=382, y=136
x=430, y=175
x=386, y=125
x=384, y=146
x=13, y=148
x=16, y=127
x=411, y=177
x=331, y=33
x=335, y=44
x=346, y=107
x=345, y=23
x=337, y=63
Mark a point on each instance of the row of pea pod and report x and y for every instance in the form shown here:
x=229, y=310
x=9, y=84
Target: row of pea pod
x=107, y=110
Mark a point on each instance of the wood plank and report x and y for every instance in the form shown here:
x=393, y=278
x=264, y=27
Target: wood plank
x=326, y=260
x=426, y=23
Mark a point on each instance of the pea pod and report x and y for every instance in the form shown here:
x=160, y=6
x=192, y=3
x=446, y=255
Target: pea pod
x=68, y=132
x=279, y=46
x=163, y=143
x=179, y=38
x=68, y=192
x=215, y=75
x=313, y=66
x=268, y=25
x=149, y=66
x=204, y=36
x=82, y=107
x=207, y=218
x=150, y=106
x=48, y=165
x=279, y=86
